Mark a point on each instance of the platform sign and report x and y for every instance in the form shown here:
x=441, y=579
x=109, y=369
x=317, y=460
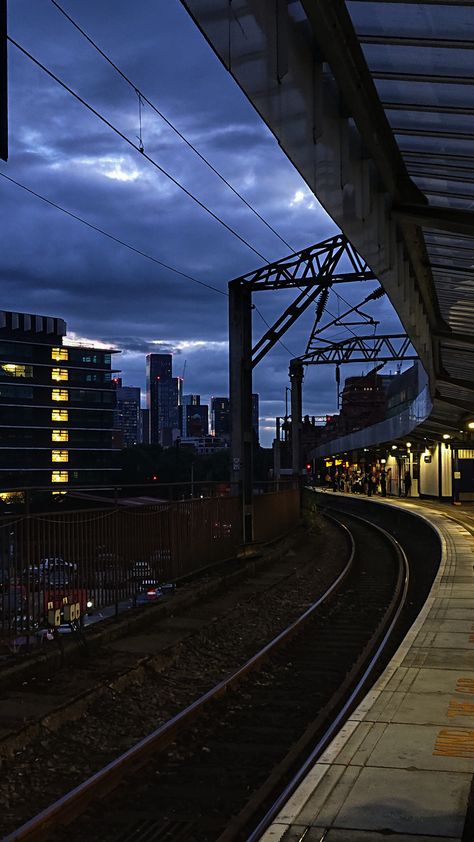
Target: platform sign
x=457, y=474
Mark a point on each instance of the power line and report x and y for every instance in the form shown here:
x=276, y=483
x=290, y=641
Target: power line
x=136, y=147
x=169, y=123
x=111, y=236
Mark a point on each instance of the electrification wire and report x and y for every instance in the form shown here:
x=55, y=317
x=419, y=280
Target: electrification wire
x=170, y=124
x=131, y=143
x=112, y=236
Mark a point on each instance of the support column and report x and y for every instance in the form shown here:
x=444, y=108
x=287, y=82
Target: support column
x=296, y=379
x=3, y=82
x=240, y=379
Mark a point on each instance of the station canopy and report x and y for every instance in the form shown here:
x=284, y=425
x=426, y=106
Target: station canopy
x=390, y=83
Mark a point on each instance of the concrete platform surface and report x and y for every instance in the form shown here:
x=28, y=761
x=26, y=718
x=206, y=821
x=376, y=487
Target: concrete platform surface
x=402, y=765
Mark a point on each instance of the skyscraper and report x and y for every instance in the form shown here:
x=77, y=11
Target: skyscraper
x=158, y=370
x=127, y=417
x=220, y=418
x=163, y=394
x=194, y=417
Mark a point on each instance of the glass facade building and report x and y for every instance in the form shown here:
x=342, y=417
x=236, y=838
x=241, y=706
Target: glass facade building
x=56, y=406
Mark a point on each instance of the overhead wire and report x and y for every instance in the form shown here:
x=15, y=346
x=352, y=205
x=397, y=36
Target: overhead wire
x=170, y=124
x=112, y=236
x=135, y=146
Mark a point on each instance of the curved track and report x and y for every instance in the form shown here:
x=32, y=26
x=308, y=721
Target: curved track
x=193, y=778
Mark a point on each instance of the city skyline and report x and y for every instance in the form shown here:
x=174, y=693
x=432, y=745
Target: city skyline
x=58, y=149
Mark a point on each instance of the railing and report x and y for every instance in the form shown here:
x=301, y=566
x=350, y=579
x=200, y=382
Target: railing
x=124, y=549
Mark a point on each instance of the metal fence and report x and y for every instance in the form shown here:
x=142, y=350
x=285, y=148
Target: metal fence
x=64, y=565
x=275, y=512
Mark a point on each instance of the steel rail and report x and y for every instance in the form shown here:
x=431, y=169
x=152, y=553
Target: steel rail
x=75, y=802
x=387, y=625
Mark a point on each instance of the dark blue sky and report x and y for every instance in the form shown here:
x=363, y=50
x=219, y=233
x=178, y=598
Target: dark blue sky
x=52, y=264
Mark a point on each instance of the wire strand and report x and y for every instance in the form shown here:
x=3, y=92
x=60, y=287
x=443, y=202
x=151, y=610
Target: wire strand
x=171, y=125
x=131, y=143
x=111, y=236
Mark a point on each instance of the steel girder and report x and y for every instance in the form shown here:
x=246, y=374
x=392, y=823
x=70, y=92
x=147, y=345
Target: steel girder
x=312, y=271
x=361, y=349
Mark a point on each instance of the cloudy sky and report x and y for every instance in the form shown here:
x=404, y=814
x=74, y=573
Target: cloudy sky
x=52, y=264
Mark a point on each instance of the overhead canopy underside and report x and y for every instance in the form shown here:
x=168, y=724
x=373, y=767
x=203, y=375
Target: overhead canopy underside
x=373, y=101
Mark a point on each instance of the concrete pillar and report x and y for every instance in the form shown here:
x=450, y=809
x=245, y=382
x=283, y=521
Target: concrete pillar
x=277, y=454
x=296, y=379
x=240, y=378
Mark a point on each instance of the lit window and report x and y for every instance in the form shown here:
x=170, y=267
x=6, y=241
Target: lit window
x=59, y=476
x=59, y=414
x=59, y=354
x=14, y=370
x=59, y=455
x=59, y=395
x=59, y=435
x=59, y=374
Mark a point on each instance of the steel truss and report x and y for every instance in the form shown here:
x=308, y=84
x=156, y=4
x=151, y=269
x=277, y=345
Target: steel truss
x=312, y=271
x=360, y=349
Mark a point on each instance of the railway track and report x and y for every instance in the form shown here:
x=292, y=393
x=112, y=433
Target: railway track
x=216, y=769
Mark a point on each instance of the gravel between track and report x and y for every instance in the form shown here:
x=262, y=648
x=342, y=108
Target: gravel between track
x=56, y=762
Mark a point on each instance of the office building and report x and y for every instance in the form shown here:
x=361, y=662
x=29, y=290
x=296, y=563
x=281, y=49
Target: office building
x=194, y=417
x=158, y=368
x=57, y=406
x=144, y=426
x=164, y=393
x=220, y=418
x=127, y=415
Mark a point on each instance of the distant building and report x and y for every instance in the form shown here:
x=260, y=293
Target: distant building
x=255, y=416
x=194, y=417
x=127, y=416
x=204, y=444
x=144, y=426
x=220, y=418
x=57, y=406
x=169, y=394
x=164, y=394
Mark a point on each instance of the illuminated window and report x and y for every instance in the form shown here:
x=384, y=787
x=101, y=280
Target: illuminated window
x=59, y=354
x=59, y=435
x=59, y=476
x=59, y=456
x=59, y=374
x=59, y=414
x=14, y=370
x=59, y=395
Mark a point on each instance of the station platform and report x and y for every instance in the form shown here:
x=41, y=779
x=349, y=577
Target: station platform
x=401, y=767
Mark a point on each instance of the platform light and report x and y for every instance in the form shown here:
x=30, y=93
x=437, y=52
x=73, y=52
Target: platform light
x=383, y=461
x=408, y=443
x=446, y=436
x=394, y=447
x=471, y=425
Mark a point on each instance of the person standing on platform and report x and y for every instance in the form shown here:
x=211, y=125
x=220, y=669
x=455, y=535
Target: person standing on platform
x=383, y=482
x=407, y=483
x=389, y=482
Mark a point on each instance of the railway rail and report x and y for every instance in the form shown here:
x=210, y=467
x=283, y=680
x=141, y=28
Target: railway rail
x=214, y=770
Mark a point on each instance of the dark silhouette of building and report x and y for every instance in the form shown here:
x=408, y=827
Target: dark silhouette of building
x=164, y=394
x=220, y=418
x=194, y=417
x=57, y=406
x=127, y=416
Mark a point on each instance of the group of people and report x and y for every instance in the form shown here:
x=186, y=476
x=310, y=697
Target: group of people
x=371, y=481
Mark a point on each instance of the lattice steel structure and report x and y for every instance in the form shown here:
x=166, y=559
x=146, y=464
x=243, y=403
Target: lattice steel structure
x=312, y=271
